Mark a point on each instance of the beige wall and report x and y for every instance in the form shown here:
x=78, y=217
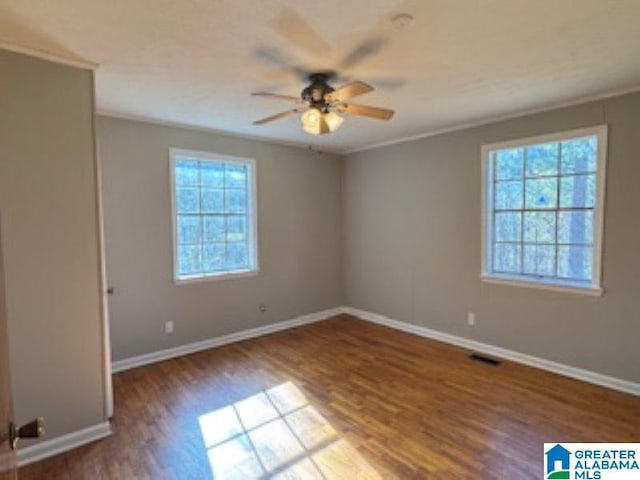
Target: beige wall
x=299, y=230
x=49, y=233
x=394, y=230
x=412, y=244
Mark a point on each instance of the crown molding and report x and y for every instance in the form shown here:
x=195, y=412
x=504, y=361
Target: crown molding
x=51, y=57
x=497, y=119
x=198, y=128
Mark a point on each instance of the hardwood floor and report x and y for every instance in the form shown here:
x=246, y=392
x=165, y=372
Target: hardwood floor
x=341, y=399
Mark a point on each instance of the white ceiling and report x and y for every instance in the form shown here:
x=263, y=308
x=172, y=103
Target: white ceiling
x=195, y=62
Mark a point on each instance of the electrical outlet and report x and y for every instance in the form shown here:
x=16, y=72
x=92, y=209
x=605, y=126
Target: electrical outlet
x=471, y=318
x=168, y=327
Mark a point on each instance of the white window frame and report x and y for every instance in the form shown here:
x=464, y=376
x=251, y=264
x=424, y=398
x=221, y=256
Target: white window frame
x=252, y=214
x=593, y=288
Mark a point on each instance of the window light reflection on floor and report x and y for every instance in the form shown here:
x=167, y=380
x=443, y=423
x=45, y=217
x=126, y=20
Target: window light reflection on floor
x=276, y=434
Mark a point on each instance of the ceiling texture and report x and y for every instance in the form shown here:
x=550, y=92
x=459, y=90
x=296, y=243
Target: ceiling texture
x=459, y=62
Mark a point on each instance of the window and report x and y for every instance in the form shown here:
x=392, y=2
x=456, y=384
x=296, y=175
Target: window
x=542, y=210
x=214, y=215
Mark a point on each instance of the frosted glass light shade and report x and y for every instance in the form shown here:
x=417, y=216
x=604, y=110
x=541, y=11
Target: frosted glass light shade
x=311, y=121
x=333, y=120
x=317, y=123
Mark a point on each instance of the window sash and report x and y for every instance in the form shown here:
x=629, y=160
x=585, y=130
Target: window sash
x=491, y=179
x=199, y=245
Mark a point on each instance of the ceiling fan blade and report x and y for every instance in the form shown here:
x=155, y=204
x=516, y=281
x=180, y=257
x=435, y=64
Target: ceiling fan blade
x=366, y=111
x=277, y=116
x=277, y=96
x=299, y=32
x=347, y=91
x=276, y=58
x=388, y=83
x=363, y=50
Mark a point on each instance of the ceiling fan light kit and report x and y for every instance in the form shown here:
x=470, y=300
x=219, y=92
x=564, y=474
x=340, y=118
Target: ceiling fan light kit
x=333, y=120
x=323, y=102
x=316, y=122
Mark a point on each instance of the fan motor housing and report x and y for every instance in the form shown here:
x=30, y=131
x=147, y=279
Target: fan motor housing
x=315, y=93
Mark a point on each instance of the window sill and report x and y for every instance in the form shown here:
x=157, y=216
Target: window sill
x=540, y=285
x=215, y=276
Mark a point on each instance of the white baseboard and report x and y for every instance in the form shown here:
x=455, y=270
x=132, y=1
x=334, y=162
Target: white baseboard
x=49, y=448
x=63, y=443
x=140, y=360
x=555, y=367
x=537, y=362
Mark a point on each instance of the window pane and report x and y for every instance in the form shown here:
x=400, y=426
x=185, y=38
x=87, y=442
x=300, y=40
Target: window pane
x=541, y=202
x=236, y=228
x=236, y=176
x=213, y=257
x=187, y=200
x=508, y=195
x=539, y=260
x=575, y=262
x=188, y=229
x=575, y=227
x=237, y=255
x=189, y=259
x=509, y=164
x=236, y=201
x=541, y=193
x=542, y=160
x=186, y=172
x=579, y=155
x=578, y=191
x=506, y=258
x=508, y=227
x=212, y=201
x=540, y=227
x=212, y=174
x=213, y=227
x=212, y=204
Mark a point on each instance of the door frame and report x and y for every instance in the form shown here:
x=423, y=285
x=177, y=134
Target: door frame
x=8, y=460
x=103, y=280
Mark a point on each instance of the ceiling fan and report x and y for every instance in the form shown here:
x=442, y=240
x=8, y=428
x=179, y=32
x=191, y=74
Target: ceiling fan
x=321, y=105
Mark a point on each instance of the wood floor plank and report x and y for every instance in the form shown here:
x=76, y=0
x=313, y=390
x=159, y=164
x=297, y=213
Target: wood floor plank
x=350, y=398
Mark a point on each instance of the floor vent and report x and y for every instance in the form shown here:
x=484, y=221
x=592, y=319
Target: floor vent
x=481, y=358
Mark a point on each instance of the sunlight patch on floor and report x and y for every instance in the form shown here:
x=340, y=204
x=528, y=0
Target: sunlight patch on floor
x=277, y=434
